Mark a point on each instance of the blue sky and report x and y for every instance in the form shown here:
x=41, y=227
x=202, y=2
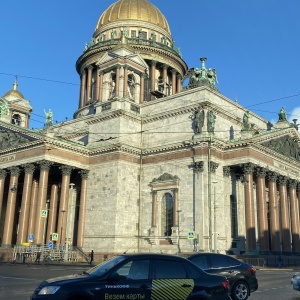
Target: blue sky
x=253, y=44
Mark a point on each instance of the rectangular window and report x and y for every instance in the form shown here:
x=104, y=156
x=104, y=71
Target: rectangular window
x=133, y=33
x=144, y=35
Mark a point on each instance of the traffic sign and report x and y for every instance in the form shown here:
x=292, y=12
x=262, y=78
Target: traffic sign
x=50, y=244
x=191, y=235
x=54, y=236
x=30, y=238
x=44, y=213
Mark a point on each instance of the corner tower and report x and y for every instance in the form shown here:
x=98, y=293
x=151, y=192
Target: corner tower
x=131, y=55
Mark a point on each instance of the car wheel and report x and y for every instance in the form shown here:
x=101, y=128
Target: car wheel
x=240, y=291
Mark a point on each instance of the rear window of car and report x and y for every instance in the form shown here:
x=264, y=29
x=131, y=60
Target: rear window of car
x=201, y=261
x=219, y=261
x=233, y=262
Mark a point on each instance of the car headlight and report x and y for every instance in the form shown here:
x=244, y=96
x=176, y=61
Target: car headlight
x=47, y=290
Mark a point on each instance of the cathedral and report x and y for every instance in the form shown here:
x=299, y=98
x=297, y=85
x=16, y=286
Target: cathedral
x=147, y=164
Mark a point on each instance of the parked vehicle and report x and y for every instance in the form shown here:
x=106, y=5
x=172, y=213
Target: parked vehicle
x=137, y=276
x=296, y=281
x=242, y=277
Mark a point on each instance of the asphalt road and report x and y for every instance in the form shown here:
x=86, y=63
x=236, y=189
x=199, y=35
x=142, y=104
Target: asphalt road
x=17, y=282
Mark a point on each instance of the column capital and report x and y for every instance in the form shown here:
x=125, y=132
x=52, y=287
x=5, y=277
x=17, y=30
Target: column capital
x=226, y=171
x=261, y=172
x=45, y=165
x=90, y=67
x=84, y=174
x=272, y=176
x=282, y=180
x=165, y=66
x=248, y=168
x=14, y=171
x=66, y=170
x=3, y=173
x=174, y=72
x=29, y=168
x=179, y=77
x=153, y=63
x=198, y=166
x=292, y=183
x=213, y=167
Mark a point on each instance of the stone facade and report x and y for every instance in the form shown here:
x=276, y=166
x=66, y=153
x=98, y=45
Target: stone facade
x=139, y=174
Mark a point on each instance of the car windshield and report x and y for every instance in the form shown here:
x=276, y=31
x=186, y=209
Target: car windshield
x=105, y=266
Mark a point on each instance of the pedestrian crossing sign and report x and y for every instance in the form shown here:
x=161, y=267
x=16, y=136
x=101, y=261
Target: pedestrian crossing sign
x=191, y=235
x=54, y=236
x=44, y=213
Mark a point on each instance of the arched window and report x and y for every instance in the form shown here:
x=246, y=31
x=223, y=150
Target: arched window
x=167, y=214
x=16, y=119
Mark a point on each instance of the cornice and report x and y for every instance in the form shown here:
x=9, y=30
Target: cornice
x=112, y=115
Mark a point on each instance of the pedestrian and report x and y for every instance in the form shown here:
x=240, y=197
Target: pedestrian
x=91, y=257
x=38, y=257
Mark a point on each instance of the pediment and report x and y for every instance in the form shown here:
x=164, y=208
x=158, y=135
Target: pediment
x=12, y=139
x=285, y=145
x=122, y=54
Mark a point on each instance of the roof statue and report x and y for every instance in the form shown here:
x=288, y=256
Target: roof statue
x=246, y=121
x=282, y=115
x=202, y=77
x=49, y=118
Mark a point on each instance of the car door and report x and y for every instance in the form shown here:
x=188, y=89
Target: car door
x=130, y=281
x=170, y=280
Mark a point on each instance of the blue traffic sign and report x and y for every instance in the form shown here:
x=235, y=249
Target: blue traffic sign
x=30, y=238
x=50, y=244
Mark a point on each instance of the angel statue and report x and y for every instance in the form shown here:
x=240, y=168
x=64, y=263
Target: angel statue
x=49, y=118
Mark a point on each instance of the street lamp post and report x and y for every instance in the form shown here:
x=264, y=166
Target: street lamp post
x=215, y=218
x=178, y=211
x=45, y=222
x=62, y=225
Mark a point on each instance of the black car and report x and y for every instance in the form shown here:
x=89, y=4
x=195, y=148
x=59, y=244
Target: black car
x=242, y=277
x=137, y=276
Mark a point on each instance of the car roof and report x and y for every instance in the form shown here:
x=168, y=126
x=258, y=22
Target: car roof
x=153, y=255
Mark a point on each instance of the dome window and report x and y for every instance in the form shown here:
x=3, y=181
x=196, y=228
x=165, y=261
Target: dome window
x=16, y=119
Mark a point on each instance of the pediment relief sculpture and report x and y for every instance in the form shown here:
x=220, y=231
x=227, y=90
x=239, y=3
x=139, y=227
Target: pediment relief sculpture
x=286, y=146
x=165, y=177
x=11, y=139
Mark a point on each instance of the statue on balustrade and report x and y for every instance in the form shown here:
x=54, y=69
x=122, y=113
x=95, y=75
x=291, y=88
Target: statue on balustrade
x=198, y=121
x=211, y=120
x=282, y=114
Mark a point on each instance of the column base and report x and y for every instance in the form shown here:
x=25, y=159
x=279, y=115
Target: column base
x=276, y=252
x=6, y=246
x=264, y=252
x=251, y=252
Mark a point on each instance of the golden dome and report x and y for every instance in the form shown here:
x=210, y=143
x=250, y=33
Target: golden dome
x=140, y=10
x=14, y=92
